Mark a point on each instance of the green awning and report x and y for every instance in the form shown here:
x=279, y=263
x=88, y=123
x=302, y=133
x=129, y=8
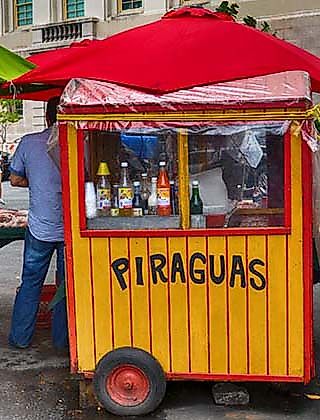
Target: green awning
x=12, y=65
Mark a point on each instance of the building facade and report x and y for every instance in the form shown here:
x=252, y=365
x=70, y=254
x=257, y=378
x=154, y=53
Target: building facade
x=32, y=26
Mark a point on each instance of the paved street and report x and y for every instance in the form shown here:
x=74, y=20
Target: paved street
x=36, y=384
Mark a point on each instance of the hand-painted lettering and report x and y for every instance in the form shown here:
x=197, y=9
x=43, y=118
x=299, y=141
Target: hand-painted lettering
x=199, y=272
x=252, y=269
x=217, y=279
x=157, y=269
x=177, y=267
x=237, y=270
x=139, y=271
x=200, y=279
x=120, y=266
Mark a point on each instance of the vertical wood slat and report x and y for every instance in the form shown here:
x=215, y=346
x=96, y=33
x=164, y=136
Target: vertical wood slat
x=295, y=263
x=121, y=297
x=184, y=193
x=277, y=294
x=218, y=308
x=179, y=309
x=140, y=298
x=82, y=272
x=257, y=309
x=159, y=309
x=198, y=305
x=237, y=307
x=102, y=297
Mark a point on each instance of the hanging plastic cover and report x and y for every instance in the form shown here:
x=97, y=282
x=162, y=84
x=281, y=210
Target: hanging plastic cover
x=91, y=96
x=282, y=90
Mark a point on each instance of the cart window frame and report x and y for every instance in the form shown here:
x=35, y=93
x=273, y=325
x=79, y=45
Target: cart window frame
x=186, y=231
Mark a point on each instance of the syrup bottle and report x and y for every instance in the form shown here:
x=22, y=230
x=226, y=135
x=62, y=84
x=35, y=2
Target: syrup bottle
x=125, y=192
x=163, y=190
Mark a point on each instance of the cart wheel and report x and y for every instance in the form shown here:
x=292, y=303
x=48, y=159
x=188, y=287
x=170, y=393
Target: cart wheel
x=129, y=382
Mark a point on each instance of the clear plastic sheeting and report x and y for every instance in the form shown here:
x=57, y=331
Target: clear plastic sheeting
x=308, y=133
x=85, y=96
x=238, y=168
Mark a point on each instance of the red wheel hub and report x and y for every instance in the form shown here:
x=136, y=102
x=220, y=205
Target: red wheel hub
x=127, y=385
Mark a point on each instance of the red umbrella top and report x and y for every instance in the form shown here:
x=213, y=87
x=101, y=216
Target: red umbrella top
x=185, y=48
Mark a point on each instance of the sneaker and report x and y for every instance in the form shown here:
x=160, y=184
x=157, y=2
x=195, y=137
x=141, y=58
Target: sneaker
x=18, y=346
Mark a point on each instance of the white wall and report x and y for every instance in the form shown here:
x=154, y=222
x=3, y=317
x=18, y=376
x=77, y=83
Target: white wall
x=41, y=12
x=95, y=8
x=154, y=6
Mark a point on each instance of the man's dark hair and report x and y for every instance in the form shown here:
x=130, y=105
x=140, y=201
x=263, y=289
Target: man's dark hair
x=51, y=112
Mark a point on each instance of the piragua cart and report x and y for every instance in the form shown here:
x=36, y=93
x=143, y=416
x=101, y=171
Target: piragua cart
x=222, y=295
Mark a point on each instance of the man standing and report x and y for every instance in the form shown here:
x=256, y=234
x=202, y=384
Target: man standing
x=1, y=174
x=32, y=167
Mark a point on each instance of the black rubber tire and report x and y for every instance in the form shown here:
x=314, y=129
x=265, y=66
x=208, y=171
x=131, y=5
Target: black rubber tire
x=140, y=359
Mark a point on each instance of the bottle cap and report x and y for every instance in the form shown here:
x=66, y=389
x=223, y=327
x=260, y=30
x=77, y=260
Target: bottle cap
x=124, y=164
x=162, y=163
x=154, y=179
x=195, y=182
x=136, y=183
x=144, y=175
x=103, y=169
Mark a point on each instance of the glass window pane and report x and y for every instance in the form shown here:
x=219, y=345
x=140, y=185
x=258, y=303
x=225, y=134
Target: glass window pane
x=75, y=8
x=138, y=196
x=24, y=12
x=131, y=4
x=240, y=174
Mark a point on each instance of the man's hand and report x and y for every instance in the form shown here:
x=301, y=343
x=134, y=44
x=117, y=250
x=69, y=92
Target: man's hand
x=18, y=181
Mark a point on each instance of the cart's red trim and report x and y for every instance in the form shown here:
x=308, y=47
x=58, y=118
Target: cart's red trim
x=188, y=311
x=93, y=306
x=190, y=232
x=81, y=180
x=208, y=309
x=149, y=297
x=185, y=376
x=267, y=307
x=278, y=230
x=247, y=307
x=239, y=378
x=169, y=307
x=227, y=305
x=94, y=109
x=111, y=295
x=307, y=262
x=287, y=303
x=64, y=156
x=130, y=295
x=287, y=179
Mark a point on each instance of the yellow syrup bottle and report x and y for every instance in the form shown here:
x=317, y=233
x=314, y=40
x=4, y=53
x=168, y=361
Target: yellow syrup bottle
x=103, y=190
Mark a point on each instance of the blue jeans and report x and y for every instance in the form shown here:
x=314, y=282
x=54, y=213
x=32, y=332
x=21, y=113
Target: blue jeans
x=36, y=262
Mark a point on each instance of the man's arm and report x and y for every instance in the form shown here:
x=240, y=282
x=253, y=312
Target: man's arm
x=18, y=181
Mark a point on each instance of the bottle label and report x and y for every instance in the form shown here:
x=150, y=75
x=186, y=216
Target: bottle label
x=137, y=211
x=114, y=212
x=163, y=197
x=152, y=210
x=103, y=198
x=125, y=198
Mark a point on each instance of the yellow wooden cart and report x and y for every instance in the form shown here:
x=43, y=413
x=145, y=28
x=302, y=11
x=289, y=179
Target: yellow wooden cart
x=224, y=295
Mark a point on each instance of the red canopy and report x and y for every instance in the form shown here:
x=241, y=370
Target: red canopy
x=187, y=47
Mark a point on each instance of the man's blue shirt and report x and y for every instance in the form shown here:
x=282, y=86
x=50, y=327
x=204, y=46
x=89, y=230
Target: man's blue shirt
x=32, y=161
